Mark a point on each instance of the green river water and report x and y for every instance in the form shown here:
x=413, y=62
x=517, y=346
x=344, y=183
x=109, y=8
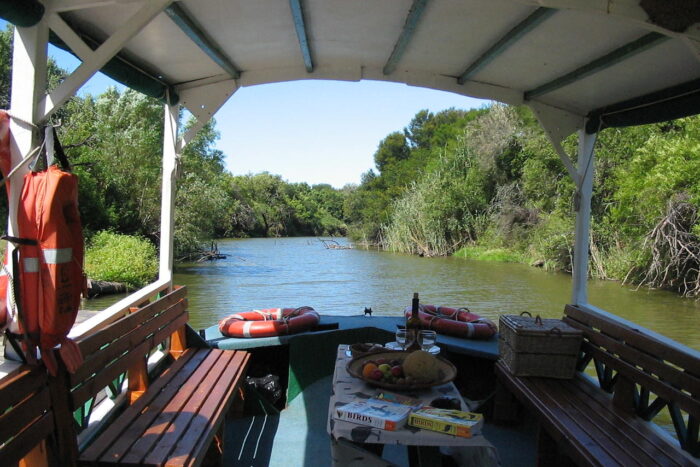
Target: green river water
x=291, y=272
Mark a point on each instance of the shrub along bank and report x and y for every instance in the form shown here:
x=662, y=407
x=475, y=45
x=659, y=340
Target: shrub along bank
x=486, y=184
x=121, y=258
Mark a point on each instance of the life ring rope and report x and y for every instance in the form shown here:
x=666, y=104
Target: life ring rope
x=460, y=322
x=269, y=322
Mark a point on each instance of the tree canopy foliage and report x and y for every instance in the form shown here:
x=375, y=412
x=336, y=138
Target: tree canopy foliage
x=488, y=180
x=115, y=143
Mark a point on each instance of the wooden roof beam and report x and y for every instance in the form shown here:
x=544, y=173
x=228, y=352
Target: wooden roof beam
x=184, y=21
x=300, y=27
x=510, y=38
x=606, y=61
x=409, y=28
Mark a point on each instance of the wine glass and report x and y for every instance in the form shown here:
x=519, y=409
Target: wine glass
x=401, y=335
x=427, y=339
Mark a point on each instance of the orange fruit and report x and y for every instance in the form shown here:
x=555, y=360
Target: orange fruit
x=368, y=369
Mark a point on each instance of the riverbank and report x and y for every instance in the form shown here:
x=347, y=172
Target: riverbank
x=482, y=253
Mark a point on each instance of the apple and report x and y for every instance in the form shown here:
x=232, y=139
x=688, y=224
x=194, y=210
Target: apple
x=376, y=374
x=397, y=371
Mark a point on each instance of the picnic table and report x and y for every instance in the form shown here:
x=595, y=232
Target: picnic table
x=348, y=440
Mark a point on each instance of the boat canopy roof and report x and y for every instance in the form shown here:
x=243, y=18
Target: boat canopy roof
x=618, y=63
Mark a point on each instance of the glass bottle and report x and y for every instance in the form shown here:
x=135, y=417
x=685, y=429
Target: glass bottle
x=413, y=326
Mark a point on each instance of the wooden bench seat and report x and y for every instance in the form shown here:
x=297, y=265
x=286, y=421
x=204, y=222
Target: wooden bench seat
x=174, y=421
x=579, y=417
x=26, y=417
x=170, y=420
x=606, y=423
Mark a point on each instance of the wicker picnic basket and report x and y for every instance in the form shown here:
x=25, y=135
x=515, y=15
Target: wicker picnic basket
x=538, y=347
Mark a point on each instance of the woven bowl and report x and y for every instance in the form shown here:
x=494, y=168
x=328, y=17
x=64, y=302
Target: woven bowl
x=446, y=371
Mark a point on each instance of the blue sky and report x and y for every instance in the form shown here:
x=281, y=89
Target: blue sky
x=308, y=131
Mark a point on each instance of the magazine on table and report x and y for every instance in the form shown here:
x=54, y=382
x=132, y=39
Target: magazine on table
x=452, y=422
x=374, y=412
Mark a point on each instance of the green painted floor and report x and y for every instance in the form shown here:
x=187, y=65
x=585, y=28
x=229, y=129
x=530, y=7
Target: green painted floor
x=297, y=437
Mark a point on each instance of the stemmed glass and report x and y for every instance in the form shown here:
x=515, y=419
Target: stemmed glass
x=401, y=335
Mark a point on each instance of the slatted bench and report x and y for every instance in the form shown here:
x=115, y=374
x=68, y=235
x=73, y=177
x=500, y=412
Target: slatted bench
x=26, y=417
x=607, y=423
x=171, y=421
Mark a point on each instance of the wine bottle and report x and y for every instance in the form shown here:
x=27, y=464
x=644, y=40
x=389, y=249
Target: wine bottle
x=413, y=326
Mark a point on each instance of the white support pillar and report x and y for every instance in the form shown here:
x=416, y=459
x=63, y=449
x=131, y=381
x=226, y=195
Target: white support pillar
x=28, y=85
x=586, y=163
x=167, y=209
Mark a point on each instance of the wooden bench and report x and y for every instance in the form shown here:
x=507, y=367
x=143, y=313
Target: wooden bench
x=172, y=420
x=26, y=417
x=608, y=423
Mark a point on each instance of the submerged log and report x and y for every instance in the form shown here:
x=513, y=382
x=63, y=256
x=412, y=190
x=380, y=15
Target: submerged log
x=333, y=245
x=97, y=288
x=211, y=254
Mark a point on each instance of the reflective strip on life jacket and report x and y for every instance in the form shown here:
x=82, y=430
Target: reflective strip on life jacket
x=31, y=264
x=58, y=255
x=51, y=256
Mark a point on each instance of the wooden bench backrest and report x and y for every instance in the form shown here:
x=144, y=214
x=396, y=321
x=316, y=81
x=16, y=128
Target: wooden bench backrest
x=126, y=343
x=634, y=365
x=26, y=415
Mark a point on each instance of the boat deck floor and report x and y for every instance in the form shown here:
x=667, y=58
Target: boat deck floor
x=298, y=437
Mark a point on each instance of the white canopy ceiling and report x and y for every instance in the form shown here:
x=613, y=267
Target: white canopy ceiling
x=573, y=55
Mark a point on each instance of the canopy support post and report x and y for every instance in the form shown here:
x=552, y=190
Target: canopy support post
x=99, y=57
x=167, y=211
x=28, y=84
x=582, y=203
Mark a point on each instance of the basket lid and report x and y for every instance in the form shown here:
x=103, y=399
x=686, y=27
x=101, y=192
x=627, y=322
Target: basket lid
x=527, y=325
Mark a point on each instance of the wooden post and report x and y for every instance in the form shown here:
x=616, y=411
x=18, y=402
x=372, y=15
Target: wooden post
x=178, y=343
x=547, y=450
x=505, y=406
x=137, y=375
x=37, y=457
x=623, y=396
x=66, y=437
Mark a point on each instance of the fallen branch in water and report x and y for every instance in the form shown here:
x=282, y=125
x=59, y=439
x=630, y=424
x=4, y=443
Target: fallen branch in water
x=211, y=254
x=333, y=245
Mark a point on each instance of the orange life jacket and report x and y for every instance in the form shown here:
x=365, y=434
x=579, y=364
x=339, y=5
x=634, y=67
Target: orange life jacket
x=51, y=272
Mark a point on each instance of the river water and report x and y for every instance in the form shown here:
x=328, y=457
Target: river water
x=291, y=272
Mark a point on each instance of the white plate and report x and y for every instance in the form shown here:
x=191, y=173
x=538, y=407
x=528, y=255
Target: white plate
x=395, y=346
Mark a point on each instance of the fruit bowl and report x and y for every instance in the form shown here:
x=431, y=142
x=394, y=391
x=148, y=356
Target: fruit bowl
x=446, y=371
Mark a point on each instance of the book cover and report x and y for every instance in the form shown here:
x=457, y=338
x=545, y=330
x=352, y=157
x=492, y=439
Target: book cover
x=453, y=422
x=399, y=399
x=372, y=412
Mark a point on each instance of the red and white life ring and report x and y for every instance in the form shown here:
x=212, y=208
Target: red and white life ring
x=270, y=322
x=458, y=322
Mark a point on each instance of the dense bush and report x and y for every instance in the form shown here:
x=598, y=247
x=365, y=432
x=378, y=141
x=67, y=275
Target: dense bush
x=121, y=258
x=491, y=187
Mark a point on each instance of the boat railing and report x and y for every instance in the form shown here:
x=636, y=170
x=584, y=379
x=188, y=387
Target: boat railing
x=123, y=307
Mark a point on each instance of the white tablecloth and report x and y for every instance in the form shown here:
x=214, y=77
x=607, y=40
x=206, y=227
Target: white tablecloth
x=347, y=388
